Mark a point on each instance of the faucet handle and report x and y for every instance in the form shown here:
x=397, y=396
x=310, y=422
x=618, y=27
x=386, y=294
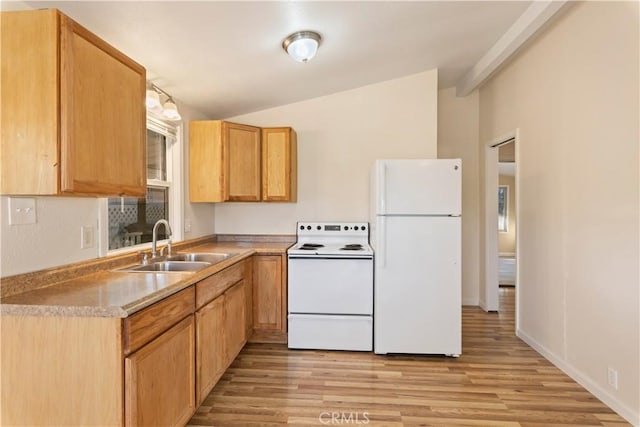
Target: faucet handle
x=145, y=258
x=169, y=248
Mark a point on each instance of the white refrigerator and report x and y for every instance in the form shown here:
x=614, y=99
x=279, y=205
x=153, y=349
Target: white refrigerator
x=416, y=235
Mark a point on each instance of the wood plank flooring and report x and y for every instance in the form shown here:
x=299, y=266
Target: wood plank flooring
x=498, y=381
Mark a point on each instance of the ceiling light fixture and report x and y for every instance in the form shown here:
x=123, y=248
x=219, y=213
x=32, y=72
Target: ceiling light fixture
x=169, y=110
x=302, y=45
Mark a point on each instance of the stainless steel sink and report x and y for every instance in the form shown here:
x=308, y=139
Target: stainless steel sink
x=180, y=262
x=212, y=258
x=167, y=267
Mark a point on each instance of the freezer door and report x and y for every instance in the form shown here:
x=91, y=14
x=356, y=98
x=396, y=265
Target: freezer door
x=418, y=187
x=417, y=290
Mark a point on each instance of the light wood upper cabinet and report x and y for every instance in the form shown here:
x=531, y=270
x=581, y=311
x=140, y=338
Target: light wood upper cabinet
x=73, y=117
x=224, y=162
x=234, y=162
x=279, y=165
x=243, y=169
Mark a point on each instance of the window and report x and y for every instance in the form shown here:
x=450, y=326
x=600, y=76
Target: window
x=503, y=208
x=130, y=220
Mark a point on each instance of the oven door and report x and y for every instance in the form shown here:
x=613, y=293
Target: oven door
x=330, y=285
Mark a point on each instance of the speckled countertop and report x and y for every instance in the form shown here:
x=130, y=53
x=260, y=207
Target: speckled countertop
x=109, y=293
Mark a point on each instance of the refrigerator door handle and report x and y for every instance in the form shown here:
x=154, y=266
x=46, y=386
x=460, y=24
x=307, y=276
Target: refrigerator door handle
x=382, y=186
x=381, y=255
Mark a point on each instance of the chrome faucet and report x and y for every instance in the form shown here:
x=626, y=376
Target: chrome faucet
x=167, y=228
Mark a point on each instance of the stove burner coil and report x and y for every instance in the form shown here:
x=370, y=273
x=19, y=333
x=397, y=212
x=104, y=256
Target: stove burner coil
x=310, y=246
x=352, y=247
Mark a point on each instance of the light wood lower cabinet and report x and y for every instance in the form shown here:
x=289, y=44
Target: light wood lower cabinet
x=159, y=367
x=150, y=369
x=221, y=325
x=211, y=357
x=160, y=380
x=235, y=320
x=248, y=294
x=269, y=298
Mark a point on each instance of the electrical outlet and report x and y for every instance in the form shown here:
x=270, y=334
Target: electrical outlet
x=88, y=237
x=187, y=226
x=612, y=378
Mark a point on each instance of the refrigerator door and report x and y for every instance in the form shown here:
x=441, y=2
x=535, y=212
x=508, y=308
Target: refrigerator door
x=417, y=290
x=418, y=187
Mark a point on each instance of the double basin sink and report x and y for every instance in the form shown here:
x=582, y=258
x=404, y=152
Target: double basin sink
x=181, y=262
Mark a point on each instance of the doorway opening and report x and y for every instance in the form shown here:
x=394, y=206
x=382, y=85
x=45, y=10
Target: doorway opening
x=501, y=255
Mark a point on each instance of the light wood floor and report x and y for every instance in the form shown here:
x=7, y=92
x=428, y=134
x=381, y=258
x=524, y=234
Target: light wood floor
x=498, y=381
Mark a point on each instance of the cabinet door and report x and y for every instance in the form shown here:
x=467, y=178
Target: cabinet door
x=211, y=359
x=103, y=117
x=279, y=165
x=267, y=292
x=248, y=294
x=160, y=379
x=29, y=97
x=206, y=168
x=235, y=320
x=242, y=159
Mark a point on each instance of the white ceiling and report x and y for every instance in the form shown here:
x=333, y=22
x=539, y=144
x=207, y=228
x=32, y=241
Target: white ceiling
x=225, y=58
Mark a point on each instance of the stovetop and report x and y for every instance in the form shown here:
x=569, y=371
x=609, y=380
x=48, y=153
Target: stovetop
x=336, y=239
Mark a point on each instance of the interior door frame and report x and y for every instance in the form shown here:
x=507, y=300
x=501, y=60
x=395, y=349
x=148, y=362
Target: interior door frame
x=489, y=291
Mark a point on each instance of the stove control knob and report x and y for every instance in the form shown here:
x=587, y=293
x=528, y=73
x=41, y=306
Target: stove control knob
x=308, y=227
x=355, y=228
x=318, y=228
x=302, y=227
x=346, y=228
x=362, y=228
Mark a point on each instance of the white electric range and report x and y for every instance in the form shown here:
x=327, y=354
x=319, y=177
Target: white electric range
x=330, y=291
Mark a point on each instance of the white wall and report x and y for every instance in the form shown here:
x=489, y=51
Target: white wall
x=573, y=94
x=200, y=215
x=458, y=127
x=55, y=239
x=339, y=137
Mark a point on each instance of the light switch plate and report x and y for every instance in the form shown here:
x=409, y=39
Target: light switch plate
x=22, y=210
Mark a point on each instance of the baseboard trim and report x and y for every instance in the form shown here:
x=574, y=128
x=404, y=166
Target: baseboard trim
x=470, y=301
x=593, y=388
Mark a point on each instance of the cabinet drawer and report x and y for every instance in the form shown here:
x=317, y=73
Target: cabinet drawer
x=147, y=324
x=209, y=288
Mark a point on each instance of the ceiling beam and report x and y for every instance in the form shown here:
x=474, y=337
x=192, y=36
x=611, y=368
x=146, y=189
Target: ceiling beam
x=531, y=20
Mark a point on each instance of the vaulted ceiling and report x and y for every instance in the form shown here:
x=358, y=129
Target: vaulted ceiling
x=226, y=58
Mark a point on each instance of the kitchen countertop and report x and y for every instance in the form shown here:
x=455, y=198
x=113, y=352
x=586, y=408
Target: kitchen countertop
x=111, y=293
